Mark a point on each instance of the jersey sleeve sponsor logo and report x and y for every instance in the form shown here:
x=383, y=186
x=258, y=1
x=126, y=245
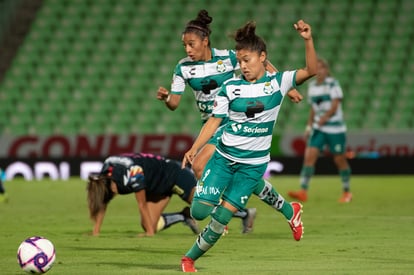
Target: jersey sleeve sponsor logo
x=134, y=175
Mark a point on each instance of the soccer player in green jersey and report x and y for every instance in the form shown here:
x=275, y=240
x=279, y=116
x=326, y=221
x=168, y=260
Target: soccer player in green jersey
x=251, y=103
x=325, y=126
x=205, y=69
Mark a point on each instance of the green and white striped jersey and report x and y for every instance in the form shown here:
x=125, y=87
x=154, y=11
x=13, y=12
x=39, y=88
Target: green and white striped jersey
x=205, y=78
x=252, y=109
x=320, y=96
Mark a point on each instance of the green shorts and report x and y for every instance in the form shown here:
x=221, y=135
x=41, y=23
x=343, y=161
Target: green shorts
x=336, y=142
x=233, y=182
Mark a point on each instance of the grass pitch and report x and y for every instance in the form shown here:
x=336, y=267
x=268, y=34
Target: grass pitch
x=371, y=235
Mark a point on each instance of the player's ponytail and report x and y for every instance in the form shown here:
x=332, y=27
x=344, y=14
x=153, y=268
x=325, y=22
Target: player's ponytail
x=200, y=25
x=98, y=194
x=247, y=39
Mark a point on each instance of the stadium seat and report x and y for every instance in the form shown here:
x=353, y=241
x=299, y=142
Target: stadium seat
x=80, y=55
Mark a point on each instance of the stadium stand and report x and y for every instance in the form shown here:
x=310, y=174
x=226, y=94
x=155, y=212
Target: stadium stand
x=94, y=66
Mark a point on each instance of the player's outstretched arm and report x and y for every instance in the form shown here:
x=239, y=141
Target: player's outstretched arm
x=304, y=30
x=171, y=101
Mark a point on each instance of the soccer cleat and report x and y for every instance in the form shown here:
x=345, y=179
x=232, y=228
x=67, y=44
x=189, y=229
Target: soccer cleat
x=346, y=197
x=248, y=221
x=295, y=222
x=189, y=221
x=301, y=195
x=187, y=264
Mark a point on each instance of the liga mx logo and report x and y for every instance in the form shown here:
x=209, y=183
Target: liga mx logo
x=236, y=127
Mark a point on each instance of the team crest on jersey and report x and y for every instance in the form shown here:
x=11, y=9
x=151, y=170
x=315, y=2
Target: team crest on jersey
x=220, y=66
x=268, y=89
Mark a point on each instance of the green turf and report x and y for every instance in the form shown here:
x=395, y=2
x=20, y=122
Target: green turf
x=371, y=235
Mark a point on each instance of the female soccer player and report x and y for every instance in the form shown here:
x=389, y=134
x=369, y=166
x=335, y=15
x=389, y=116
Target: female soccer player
x=325, y=126
x=205, y=69
x=153, y=179
x=251, y=103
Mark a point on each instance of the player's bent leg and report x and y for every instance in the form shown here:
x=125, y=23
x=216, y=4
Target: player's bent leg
x=168, y=219
x=201, y=209
x=220, y=217
x=267, y=193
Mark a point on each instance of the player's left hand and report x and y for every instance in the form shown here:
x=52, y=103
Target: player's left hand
x=295, y=96
x=303, y=29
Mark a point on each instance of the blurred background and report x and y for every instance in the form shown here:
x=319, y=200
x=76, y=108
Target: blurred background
x=85, y=67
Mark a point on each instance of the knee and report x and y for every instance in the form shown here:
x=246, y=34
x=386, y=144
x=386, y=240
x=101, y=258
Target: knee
x=200, y=211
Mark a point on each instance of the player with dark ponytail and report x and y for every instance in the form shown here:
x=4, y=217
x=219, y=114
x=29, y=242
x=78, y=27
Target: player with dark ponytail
x=251, y=103
x=205, y=69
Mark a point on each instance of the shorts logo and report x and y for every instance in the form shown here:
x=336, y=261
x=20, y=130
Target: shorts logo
x=206, y=190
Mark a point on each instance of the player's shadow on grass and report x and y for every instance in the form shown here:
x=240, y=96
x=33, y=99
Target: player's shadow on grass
x=158, y=266
x=123, y=249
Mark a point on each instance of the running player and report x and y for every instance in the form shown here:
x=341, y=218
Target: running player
x=153, y=179
x=252, y=104
x=325, y=126
x=205, y=69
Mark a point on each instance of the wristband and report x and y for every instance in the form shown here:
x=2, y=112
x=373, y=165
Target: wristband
x=308, y=128
x=168, y=98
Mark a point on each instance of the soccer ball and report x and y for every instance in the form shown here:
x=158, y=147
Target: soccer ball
x=36, y=255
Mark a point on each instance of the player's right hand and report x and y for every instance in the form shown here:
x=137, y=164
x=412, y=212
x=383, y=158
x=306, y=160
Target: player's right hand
x=162, y=94
x=188, y=157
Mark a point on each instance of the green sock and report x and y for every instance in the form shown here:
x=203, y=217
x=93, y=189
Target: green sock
x=211, y=233
x=267, y=193
x=345, y=176
x=305, y=175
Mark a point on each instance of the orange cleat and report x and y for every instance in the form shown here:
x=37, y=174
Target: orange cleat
x=346, y=197
x=301, y=195
x=295, y=222
x=187, y=264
